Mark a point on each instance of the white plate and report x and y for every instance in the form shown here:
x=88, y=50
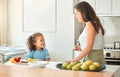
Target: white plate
x=38, y=64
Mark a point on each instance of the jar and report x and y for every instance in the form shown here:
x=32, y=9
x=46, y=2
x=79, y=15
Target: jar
x=116, y=45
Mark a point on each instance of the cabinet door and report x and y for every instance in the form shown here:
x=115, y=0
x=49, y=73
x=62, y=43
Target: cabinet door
x=116, y=7
x=39, y=15
x=103, y=7
x=91, y=2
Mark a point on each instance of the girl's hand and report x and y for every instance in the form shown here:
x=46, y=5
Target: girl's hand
x=47, y=59
x=77, y=47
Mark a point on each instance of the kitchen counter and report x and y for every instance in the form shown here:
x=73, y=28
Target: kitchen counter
x=23, y=70
x=11, y=51
x=115, y=69
x=17, y=53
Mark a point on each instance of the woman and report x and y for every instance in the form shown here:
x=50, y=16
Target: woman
x=91, y=39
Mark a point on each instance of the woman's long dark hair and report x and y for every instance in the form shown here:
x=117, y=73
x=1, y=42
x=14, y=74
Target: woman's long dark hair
x=32, y=39
x=88, y=14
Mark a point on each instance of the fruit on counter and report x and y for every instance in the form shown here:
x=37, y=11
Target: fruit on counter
x=30, y=60
x=92, y=67
x=77, y=67
x=69, y=67
x=89, y=62
x=96, y=64
x=85, y=66
x=73, y=63
x=15, y=59
x=12, y=60
x=65, y=64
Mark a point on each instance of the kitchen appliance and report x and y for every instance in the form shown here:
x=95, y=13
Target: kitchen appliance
x=112, y=56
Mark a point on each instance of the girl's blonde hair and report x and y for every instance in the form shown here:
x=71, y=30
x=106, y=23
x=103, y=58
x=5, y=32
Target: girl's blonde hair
x=32, y=39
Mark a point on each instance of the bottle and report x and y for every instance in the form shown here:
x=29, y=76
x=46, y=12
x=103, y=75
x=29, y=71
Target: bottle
x=116, y=45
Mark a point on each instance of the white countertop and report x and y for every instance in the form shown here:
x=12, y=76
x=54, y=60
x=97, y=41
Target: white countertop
x=114, y=69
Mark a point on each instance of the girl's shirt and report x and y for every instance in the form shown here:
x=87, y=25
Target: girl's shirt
x=38, y=54
x=98, y=42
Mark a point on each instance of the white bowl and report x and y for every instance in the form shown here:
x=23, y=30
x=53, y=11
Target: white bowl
x=38, y=64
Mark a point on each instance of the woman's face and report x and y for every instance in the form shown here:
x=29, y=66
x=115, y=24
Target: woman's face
x=40, y=42
x=78, y=15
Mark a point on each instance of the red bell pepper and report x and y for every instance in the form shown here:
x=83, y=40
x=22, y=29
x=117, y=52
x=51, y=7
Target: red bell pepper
x=17, y=59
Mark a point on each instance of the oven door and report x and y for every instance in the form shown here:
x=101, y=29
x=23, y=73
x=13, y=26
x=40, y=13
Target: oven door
x=113, y=61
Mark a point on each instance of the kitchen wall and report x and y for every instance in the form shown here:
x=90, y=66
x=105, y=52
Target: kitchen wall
x=3, y=21
x=112, y=29
x=59, y=43
x=111, y=26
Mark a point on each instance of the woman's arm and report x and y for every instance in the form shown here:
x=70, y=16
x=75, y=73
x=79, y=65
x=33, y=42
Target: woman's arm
x=90, y=32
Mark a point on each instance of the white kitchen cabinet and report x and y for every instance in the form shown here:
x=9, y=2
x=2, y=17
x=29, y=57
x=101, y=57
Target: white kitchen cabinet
x=39, y=15
x=105, y=7
x=116, y=7
x=108, y=7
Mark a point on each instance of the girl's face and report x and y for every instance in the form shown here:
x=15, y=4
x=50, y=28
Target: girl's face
x=40, y=42
x=78, y=15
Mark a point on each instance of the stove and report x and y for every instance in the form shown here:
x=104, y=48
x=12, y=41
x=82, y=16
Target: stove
x=112, y=56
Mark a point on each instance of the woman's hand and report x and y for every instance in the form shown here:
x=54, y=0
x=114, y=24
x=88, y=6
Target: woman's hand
x=76, y=60
x=77, y=47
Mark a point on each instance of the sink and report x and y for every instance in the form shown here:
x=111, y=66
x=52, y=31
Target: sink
x=11, y=50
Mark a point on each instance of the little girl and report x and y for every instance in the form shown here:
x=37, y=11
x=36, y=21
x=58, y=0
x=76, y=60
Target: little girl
x=36, y=46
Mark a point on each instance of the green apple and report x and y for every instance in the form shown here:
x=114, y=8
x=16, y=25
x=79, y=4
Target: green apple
x=92, y=67
x=78, y=64
x=75, y=68
x=85, y=67
x=73, y=63
x=65, y=64
x=96, y=64
x=89, y=62
x=69, y=67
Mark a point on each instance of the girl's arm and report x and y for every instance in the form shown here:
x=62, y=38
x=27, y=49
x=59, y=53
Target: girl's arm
x=47, y=59
x=28, y=55
x=47, y=56
x=90, y=31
